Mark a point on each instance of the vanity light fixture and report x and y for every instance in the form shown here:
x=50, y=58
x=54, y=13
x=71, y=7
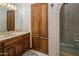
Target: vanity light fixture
x=8, y=6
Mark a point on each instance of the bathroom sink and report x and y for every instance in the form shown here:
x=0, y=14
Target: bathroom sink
x=9, y=34
x=1, y=36
x=6, y=35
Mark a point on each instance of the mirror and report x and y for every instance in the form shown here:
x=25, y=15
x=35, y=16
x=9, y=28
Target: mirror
x=7, y=17
x=22, y=17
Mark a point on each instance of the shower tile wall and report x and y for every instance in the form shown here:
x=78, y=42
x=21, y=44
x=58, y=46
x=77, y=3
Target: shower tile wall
x=70, y=21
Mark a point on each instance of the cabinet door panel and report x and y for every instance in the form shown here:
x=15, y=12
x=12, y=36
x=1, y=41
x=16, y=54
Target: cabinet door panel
x=36, y=43
x=40, y=27
x=9, y=50
x=44, y=45
x=35, y=19
x=44, y=20
x=26, y=42
x=19, y=48
x=1, y=49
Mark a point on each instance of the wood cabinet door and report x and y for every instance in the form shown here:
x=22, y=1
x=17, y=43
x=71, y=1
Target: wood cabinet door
x=19, y=47
x=10, y=20
x=40, y=27
x=44, y=20
x=9, y=50
x=36, y=43
x=44, y=45
x=35, y=19
x=26, y=42
x=1, y=49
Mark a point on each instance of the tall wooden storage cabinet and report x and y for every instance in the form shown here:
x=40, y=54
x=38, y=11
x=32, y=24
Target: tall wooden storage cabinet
x=10, y=20
x=40, y=27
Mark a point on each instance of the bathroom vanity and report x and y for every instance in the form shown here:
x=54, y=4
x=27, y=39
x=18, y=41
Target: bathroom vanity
x=13, y=40
x=14, y=44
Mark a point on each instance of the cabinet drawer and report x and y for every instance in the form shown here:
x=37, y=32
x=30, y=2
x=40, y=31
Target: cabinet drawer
x=8, y=42
x=27, y=35
x=9, y=50
x=12, y=40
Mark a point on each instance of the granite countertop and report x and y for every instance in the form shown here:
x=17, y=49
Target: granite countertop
x=14, y=34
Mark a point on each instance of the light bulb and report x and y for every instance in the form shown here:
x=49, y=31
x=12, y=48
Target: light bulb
x=4, y=4
x=1, y=4
x=15, y=8
x=12, y=7
x=8, y=6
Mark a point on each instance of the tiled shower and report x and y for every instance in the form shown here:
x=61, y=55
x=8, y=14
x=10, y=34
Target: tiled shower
x=69, y=29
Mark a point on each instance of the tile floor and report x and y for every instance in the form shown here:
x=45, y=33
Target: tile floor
x=33, y=53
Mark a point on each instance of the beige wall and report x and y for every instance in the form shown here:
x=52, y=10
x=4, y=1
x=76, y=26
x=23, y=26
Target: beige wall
x=54, y=41
x=23, y=16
